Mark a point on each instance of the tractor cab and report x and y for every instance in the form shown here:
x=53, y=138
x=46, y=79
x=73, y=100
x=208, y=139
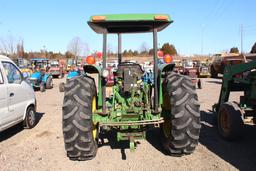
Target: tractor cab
x=168, y=102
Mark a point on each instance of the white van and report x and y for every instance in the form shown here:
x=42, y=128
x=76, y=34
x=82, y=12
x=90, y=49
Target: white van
x=17, y=97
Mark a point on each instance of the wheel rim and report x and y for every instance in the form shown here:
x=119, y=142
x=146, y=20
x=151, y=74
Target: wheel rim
x=94, y=132
x=31, y=117
x=224, y=123
x=167, y=127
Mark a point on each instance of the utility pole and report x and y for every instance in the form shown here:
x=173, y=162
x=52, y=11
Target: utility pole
x=242, y=37
x=202, y=39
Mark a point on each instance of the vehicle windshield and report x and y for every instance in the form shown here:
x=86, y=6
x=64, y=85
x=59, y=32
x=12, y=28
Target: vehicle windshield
x=188, y=64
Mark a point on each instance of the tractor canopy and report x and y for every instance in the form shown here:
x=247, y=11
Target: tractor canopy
x=129, y=23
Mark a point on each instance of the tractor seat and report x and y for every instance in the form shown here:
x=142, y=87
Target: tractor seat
x=133, y=67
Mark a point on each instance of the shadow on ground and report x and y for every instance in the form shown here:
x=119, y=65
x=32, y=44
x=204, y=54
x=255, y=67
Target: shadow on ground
x=241, y=154
x=215, y=81
x=111, y=138
x=17, y=128
x=153, y=137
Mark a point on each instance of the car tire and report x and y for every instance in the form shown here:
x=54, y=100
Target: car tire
x=30, y=118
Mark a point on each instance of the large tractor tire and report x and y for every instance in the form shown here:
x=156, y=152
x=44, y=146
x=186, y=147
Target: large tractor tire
x=214, y=74
x=181, y=127
x=230, y=121
x=78, y=129
x=49, y=83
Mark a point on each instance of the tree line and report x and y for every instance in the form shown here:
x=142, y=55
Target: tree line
x=77, y=48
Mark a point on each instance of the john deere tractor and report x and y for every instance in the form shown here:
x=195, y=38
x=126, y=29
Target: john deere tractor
x=170, y=102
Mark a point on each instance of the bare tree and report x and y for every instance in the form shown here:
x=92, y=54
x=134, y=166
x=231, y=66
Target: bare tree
x=86, y=49
x=144, y=47
x=75, y=47
x=20, y=48
x=8, y=45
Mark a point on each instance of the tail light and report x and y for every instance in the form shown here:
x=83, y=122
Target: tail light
x=90, y=60
x=160, y=53
x=168, y=58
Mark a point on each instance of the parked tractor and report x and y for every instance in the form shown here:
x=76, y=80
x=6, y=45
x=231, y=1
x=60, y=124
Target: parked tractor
x=40, y=78
x=232, y=116
x=74, y=72
x=132, y=108
x=56, y=70
x=70, y=64
x=203, y=70
x=25, y=66
x=190, y=69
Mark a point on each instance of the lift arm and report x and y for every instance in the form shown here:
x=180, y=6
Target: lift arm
x=228, y=79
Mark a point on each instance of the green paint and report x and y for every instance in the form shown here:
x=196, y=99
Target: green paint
x=131, y=17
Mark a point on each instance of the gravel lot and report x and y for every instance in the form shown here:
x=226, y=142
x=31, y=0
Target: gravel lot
x=42, y=148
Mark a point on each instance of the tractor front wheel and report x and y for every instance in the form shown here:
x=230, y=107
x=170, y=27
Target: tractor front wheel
x=49, y=83
x=78, y=129
x=181, y=127
x=230, y=121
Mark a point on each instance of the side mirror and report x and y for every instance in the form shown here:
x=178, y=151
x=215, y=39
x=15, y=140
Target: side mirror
x=25, y=75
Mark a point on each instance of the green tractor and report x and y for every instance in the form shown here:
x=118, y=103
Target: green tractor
x=232, y=116
x=170, y=103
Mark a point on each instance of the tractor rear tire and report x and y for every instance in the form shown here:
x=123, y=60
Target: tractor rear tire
x=230, y=121
x=42, y=87
x=49, y=83
x=77, y=118
x=181, y=127
x=61, y=87
x=199, y=84
x=214, y=74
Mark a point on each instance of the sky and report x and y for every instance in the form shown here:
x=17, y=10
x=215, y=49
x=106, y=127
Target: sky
x=200, y=26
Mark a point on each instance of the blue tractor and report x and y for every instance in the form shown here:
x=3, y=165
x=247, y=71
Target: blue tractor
x=40, y=79
x=72, y=74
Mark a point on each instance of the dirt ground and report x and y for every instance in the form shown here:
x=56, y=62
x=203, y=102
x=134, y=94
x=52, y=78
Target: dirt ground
x=42, y=148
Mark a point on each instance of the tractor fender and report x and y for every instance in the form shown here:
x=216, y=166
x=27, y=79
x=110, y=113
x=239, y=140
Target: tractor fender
x=92, y=69
x=166, y=67
x=36, y=75
x=72, y=74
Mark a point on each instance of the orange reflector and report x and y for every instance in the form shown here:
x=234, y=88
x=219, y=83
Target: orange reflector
x=90, y=60
x=168, y=58
x=98, y=18
x=161, y=17
x=160, y=54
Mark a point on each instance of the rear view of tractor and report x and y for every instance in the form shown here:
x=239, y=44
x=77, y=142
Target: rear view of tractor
x=170, y=102
x=231, y=116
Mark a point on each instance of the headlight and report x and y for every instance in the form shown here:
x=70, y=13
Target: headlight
x=105, y=73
